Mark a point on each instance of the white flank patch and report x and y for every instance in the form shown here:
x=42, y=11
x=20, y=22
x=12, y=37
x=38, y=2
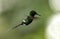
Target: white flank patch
x=24, y=21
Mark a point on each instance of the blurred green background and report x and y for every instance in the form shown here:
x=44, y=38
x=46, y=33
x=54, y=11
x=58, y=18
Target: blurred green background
x=14, y=11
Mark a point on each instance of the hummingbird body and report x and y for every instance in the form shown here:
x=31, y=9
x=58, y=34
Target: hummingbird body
x=29, y=19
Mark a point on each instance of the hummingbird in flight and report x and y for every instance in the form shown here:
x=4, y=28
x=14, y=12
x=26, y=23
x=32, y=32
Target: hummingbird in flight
x=28, y=20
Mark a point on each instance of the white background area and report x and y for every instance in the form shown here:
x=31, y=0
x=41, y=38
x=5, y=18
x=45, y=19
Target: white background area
x=55, y=4
x=53, y=28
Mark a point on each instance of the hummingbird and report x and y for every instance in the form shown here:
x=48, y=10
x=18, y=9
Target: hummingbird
x=29, y=19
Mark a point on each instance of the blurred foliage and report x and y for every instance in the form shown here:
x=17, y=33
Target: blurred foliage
x=14, y=16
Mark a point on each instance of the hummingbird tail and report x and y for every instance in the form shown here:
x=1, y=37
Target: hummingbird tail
x=15, y=27
x=18, y=25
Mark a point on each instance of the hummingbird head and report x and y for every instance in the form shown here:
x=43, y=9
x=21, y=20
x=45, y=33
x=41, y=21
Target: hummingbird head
x=33, y=13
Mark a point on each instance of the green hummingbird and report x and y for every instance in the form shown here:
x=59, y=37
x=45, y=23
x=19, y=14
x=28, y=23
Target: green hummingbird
x=29, y=19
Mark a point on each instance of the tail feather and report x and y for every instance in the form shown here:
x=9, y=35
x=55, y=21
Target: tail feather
x=16, y=26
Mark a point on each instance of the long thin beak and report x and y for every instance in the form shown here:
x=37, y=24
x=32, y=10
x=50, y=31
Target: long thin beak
x=38, y=14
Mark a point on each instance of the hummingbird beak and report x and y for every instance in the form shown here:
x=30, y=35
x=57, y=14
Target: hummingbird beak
x=38, y=14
